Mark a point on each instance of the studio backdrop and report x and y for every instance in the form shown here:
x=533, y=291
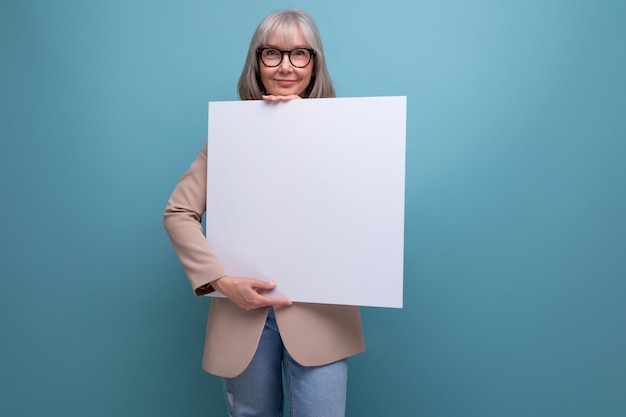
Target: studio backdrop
x=514, y=266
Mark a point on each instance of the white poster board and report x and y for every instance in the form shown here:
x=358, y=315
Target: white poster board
x=310, y=194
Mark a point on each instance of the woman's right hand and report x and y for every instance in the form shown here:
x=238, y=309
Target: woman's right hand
x=247, y=293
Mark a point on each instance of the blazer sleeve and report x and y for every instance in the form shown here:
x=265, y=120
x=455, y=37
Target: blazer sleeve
x=183, y=222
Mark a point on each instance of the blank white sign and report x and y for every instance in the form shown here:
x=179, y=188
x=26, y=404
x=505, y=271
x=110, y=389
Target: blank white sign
x=310, y=194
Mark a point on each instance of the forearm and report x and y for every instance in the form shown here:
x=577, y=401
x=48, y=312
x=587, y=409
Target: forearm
x=200, y=264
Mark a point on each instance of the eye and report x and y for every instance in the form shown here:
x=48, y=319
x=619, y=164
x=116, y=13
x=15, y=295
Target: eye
x=300, y=53
x=271, y=53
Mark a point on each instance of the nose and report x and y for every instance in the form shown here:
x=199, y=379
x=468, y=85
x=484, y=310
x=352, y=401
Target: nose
x=285, y=64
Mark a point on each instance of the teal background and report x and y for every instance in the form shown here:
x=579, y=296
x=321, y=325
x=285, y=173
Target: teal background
x=515, y=231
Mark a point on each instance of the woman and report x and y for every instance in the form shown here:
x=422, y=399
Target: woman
x=251, y=337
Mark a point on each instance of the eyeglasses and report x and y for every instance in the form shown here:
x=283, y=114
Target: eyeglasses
x=272, y=57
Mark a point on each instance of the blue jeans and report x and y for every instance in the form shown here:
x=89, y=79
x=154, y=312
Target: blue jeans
x=314, y=391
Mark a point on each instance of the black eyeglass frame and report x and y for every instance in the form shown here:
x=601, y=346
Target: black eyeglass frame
x=259, y=53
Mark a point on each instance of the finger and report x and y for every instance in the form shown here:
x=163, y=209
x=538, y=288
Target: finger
x=263, y=285
x=271, y=301
x=288, y=98
x=255, y=300
x=273, y=98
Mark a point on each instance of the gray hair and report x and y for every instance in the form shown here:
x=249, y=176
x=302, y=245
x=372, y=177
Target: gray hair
x=285, y=22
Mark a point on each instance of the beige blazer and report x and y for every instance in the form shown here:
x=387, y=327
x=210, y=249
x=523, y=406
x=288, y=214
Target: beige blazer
x=313, y=334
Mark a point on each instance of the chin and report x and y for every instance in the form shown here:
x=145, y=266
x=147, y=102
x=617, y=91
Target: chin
x=286, y=92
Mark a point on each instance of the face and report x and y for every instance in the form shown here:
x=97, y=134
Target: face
x=285, y=79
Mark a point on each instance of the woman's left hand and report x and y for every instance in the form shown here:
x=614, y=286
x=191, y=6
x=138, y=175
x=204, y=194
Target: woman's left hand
x=273, y=98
